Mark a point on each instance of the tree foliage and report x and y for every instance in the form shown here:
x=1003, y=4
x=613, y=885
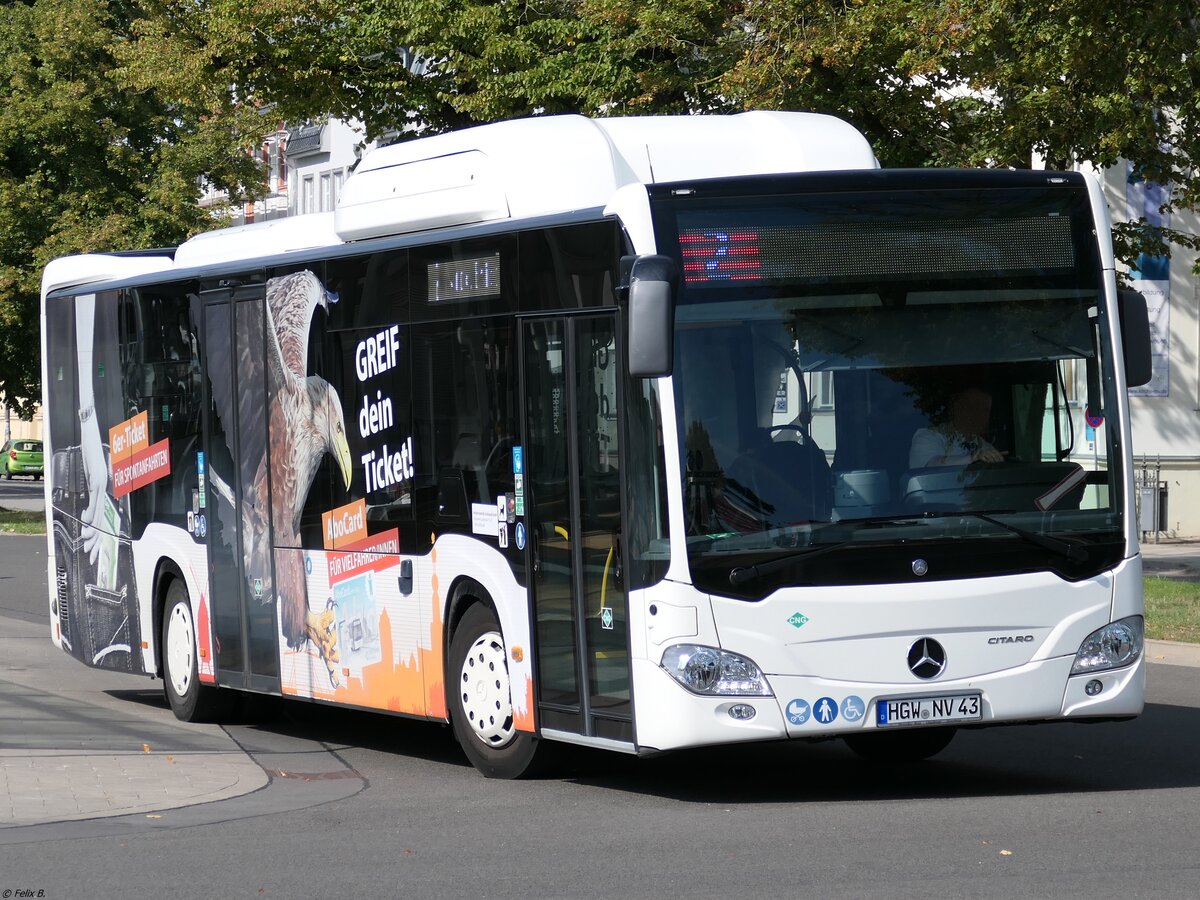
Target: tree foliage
x=930, y=82
x=87, y=165
x=993, y=83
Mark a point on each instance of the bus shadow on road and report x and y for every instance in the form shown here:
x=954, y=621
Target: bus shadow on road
x=1154, y=751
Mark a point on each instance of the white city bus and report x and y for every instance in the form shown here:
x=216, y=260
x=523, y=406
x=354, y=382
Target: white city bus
x=641, y=434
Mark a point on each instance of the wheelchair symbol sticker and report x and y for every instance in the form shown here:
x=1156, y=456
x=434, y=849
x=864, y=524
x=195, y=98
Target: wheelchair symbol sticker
x=853, y=708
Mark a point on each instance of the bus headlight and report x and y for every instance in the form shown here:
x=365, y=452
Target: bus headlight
x=713, y=672
x=1115, y=645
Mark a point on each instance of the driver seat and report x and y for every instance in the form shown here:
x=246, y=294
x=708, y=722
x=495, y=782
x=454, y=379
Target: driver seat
x=792, y=479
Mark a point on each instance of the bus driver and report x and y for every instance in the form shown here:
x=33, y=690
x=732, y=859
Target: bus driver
x=959, y=440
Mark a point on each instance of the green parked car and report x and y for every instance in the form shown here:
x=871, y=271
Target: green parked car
x=21, y=457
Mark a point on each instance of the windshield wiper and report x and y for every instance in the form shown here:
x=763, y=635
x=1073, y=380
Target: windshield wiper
x=1071, y=551
x=742, y=574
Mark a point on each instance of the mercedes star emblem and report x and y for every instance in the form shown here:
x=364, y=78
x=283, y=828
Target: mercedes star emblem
x=926, y=658
x=919, y=567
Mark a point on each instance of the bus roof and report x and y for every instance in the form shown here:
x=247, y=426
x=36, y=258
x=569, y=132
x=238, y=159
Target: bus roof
x=93, y=268
x=269, y=238
x=516, y=170
x=533, y=167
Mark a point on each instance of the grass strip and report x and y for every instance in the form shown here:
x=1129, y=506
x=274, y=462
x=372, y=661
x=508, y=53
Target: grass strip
x=21, y=521
x=1172, y=610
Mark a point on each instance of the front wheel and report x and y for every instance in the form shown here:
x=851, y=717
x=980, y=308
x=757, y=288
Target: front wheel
x=189, y=699
x=909, y=745
x=481, y=711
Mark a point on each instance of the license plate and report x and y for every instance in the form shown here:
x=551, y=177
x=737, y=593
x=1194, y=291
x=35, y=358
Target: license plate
x=928, y=709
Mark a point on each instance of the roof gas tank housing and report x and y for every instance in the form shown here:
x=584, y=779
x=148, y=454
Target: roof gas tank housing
x=532, y=167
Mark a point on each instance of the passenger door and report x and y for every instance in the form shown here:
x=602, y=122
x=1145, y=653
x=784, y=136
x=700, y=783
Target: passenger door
x=243, y=608
x=571, y=490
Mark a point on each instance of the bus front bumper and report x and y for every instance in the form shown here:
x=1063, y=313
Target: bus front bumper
x=670, y=717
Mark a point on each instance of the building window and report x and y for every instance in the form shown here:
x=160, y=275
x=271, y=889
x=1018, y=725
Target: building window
x=339, y=176
x=308, y=202
x=822, y=390
x=326, y=192
x=281, y=176
x=271, y=152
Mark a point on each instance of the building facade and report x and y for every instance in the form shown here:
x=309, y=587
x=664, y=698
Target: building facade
x=1165, y=412
x=320, y=157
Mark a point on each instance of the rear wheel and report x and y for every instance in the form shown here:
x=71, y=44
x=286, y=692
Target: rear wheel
x=480, y=697
x=190, y=700
x=909, y=745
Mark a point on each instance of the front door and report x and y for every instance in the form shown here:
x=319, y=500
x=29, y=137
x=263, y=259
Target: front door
x=572, y=492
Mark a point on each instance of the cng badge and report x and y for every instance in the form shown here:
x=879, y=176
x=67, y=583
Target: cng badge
x=798, y=619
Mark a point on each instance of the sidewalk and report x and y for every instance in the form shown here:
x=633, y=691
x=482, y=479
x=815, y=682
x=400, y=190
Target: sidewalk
x=100, y=744
x=50, y=786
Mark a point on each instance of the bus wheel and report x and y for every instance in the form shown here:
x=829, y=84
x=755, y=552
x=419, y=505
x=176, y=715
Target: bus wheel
x=910, y=745
x=189, y=699
x=481, y=701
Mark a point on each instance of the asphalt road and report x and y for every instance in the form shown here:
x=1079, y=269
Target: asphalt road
x=1025, y=811
x=22, y=493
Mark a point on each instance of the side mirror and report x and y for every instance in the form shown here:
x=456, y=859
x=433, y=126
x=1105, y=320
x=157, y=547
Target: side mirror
x=1135, y=337
x=651, y=316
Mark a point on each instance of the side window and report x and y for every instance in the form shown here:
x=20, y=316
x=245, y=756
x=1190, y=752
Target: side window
x=646, y=482
x=368, y=290
x=63, y=460
x=569, y=267
x=160, y=359
x=466, y=420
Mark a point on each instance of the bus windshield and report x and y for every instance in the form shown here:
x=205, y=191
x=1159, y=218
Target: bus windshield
x=869, y=384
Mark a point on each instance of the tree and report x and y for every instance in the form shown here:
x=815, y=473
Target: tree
x=86, y=165
x=994, y=82
x=930, y=82
x=431, y=65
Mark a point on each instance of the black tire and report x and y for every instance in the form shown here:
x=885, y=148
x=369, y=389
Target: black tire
x=190, y=700
x=480, y=702
x=909, y=745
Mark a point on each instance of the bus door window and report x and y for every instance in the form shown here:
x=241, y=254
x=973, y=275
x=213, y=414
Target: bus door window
x=465, y=420
x=604, y=601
